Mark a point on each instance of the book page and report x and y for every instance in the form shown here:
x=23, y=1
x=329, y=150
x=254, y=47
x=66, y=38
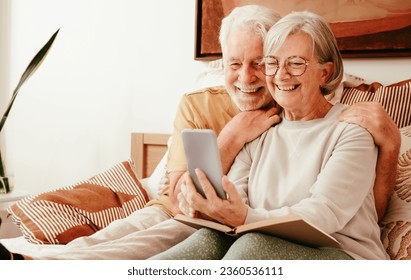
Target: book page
x=290, y=227
x=199, y=223
x=294, y=229
x=274, y=220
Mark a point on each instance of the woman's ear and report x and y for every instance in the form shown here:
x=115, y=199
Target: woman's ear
x=328, y=69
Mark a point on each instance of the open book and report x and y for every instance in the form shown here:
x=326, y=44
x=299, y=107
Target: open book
x=290, y=227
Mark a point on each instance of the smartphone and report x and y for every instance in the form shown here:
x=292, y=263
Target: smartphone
x=201, y=149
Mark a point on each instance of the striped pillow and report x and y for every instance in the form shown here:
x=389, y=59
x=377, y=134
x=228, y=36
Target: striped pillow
x=61, y=215
x=395, y=98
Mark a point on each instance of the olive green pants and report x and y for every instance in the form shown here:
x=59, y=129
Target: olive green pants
x=207, y=244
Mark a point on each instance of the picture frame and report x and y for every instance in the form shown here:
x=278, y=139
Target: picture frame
x=368, y=36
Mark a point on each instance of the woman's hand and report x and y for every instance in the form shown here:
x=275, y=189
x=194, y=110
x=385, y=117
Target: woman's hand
x=231, y=211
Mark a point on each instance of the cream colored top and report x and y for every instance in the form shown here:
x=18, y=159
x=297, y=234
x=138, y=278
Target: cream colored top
x=322, y=170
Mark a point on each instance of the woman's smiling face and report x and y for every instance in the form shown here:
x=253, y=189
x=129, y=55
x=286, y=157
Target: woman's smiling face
x=298, y=95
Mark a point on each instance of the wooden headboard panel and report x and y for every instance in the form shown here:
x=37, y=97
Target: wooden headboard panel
x=147, y=149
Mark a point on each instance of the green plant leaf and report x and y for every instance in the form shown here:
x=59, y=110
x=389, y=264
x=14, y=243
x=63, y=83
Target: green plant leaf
x=4, y=182
x=31, y=68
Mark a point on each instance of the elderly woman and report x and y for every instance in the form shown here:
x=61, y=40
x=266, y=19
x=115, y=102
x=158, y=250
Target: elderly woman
x=310, y=164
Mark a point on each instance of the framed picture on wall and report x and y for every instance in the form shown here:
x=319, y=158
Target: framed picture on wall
x=372, y=28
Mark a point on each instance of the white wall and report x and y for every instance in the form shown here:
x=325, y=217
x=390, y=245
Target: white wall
x=4, y=62
x=117, y=66
x=384, y=70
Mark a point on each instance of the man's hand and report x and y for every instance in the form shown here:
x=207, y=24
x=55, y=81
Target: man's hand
x=248, y=125
x=372, y=116
x=231, y=211
x=243, y=128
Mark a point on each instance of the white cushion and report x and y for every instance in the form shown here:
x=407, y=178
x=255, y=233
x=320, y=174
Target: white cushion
x=158, y=179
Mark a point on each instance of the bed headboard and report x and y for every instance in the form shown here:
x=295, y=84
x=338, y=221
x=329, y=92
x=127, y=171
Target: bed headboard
x=147, y=149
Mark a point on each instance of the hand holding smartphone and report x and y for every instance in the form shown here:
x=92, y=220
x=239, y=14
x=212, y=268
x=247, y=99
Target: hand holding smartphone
x=201, y=149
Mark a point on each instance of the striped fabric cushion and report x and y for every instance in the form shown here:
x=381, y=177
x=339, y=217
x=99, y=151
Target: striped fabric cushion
x=395, y=98
x=61, y=215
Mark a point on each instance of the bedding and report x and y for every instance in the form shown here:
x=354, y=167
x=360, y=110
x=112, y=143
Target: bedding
x=158, y=178
x=396, y=225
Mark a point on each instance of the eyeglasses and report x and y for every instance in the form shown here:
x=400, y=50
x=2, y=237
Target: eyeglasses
x=294, y=65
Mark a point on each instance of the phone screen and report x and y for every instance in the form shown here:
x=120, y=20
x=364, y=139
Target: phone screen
x=201, y=149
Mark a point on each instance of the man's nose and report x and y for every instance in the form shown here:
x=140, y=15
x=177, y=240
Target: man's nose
x=247, y=74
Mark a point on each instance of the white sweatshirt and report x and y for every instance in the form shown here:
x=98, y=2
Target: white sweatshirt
x=323, y=170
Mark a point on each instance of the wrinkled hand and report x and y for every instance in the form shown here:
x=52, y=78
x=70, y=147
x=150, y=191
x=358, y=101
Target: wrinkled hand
x=372, y=117
x=231, y=211
x=183, y=204
x=243, y=128
x=248, y=125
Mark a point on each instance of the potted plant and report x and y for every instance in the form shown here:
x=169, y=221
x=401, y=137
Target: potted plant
x=5, y=183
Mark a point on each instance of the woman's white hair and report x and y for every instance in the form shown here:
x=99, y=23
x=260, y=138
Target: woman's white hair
x=324, y=42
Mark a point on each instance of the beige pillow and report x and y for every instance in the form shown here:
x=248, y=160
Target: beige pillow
x=61, y=215
x=396, y=225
